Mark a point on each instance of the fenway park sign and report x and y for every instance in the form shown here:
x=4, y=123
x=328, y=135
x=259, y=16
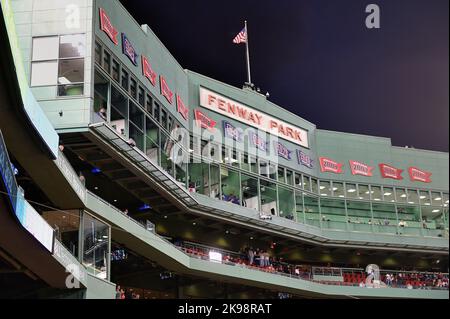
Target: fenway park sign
x=252, y=117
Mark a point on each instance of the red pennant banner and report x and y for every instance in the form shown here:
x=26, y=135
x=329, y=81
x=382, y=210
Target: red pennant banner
x=181, y=108
x=107, y=27
x=165, y=90
x=204, y=121
x=359, y=168
x=418, y=175
x=147, y=71
x=388, y=171
x=328, y=165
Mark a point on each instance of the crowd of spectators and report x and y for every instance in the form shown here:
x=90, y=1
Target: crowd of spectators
x=126, y=293
x=261, y=259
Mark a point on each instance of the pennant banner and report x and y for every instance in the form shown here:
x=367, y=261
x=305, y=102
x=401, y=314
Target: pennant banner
x=165, y=90
x=147, y=71
x=204, y=121
x=282, y=151
x=107, y=27
x=359, y=168
x=388, y=171
x=418, y=175
x=232, y=132
x=328, y=165
x=304, y=159
x=129, y=50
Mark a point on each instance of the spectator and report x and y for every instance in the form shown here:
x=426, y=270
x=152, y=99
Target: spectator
x=251, y=256
x=118, y=292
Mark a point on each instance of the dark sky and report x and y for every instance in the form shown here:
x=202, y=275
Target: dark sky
x=318, y=59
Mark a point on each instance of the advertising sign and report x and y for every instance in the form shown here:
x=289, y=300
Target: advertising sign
x=232, y=132
x=258, y=142
x=388, y=171
x=282, y=151
x=107, y=27
x=204, y=121
x=147, y=71
x=304, y=159
x=417, y=175
x=128, y=50
x=165, y=90
x=182, y=108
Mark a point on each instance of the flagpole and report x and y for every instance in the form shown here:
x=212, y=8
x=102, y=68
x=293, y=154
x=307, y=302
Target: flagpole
x=249, y=77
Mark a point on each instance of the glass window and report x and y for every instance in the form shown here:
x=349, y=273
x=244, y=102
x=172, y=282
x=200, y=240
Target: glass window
x=156, y=113
x=351, y=190
x=125, y=80
x=299, y=207
x=250, y=197
x=214, y=152
x=116, y=71
x=133, y=88
x=433, y=220
x=286, y=203
x=71, y=71
x=306, y=183
x=230, y=186
x=137, y=135
x=136, y=116
x=338, y=189
x=141, y=97
x=67, y=225
x=289, y=177
x=325, y=188
x=96, y=237
x=268, y=192
x=384, y=218
x=199, y=178
x=358, y=213
x=101, y=86
x=44, y=73
x=272, y=171
x=413, y=197
x=410, y=215
x=107, y=61
x=388, y=193
x=253, y=164
x=333, y=213
x=45, y=48
x=425, y=198
x=314, y=185
x=263, y=168
x=298, y=180
x=245, y=165
x=166, y=153
x=400, y=195
x=119, y=111
x=235, y=158
x=364, y=192
x=164, y=118
x=281, y=177
x=436, y=199
x=72, y=46
x=215, y=181
x=445, y=199
x=152, y=140
x=149, y=104
x=376, y=193
x=98, y=53
x=312, y=214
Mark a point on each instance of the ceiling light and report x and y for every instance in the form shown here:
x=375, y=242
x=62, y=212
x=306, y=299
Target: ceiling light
x=251, y=238
x=387, y=194
x=194, y=224
x=96, y=188
x=412, y=203
x=351, y=190
x=322, y=187
x=438, y=198
x=403, y=196
x=423, y=197
x=227, y=232
x=377, y=199
x=323, y=194
x=335, y=189
x=341, y=196
x=436, y=211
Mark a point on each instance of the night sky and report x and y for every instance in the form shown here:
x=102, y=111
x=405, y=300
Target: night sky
x=318, y=59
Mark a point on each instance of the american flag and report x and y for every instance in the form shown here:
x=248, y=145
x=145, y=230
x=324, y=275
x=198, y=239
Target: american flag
x=241, y=37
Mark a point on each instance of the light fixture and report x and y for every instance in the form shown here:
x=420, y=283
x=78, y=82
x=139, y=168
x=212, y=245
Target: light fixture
x=377, y=199
x=403, y=196
x=423, y=197
x=104, y=236
x=96, y=188
x=387, y=194
x=115, y=201
x=412, y=203
x=227, y=232
x=322, y=187
x=427, y=204
x=351, y=190
x=341, y=196
x=165, y=217
x=438, y=198
x=436, y=211
x=251, y=238
x=323, y=194
x=194, y=224
x=335, y=189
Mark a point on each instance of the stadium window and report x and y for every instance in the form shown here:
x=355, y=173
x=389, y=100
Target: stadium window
x=125, y=80
x=149, y=104
x=268, y=191
x=133, y=88
x=116, y=71
x=164, y=118
x=101, y=87
x=281, y=177
x=141, y=96
x=250, y=198
x=107, y=61
x=400, y=195
x=306, y=183
x=286, y=203
x=152, y=140
x=289, y=177
x=338, y=189
x=98, y=53
x=325, y=188
x=314, y=185
x=298, y=180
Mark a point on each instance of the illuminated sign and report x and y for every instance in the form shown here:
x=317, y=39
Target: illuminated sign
x=181, y=108
x=388, y=171
x=249, y=116
x=418, y=175
x=359, y=168
x=258, y=141
x=232, y=132
x=304, y=159
x=165, y=90
x=282, y=151
x=147, y=71
x=107, y=27
x=328, y=165
x=129, y=50
x=204, y=121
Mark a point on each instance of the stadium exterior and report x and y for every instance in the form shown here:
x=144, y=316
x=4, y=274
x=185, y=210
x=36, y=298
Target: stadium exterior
x=132, y=170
